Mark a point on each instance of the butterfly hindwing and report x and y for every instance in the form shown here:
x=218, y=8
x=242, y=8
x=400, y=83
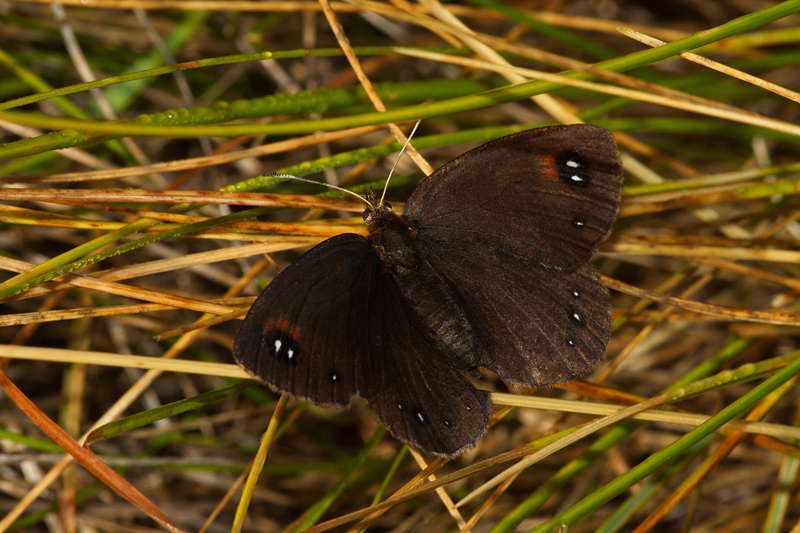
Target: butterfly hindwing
x=535, y=325
x=427, y=402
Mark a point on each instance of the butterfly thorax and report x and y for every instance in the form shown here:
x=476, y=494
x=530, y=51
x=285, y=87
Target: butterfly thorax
x=391, y=237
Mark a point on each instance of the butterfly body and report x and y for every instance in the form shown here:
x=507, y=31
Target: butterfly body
x=394, y=241
x=487, y=267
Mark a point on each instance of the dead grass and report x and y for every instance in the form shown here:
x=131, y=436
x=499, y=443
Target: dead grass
x=703, y=261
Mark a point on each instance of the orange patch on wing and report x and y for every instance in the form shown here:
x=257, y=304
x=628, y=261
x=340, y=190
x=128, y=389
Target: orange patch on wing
x=285, y=326
x=548, y=167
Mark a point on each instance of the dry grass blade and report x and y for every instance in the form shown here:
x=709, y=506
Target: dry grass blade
x=576, y=436
x=86, y=457
x=750, y=315
x=700, y=60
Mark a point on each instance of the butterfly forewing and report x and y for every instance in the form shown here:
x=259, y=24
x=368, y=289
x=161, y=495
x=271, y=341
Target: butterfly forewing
x=305, y=334
x=549, y=194
x=535, y=325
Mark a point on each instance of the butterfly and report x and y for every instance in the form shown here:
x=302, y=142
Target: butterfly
x=486, y=267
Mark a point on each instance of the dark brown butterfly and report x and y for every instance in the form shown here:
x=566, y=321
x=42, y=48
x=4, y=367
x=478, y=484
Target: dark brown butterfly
x=487, y=267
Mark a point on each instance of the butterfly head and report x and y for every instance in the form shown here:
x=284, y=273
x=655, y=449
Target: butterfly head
x=376, y=212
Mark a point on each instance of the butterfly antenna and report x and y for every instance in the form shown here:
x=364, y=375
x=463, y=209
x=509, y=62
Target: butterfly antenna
x=290, y=177
x=408, y=140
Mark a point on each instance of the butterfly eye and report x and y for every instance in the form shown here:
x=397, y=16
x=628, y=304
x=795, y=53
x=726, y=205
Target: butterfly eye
x=365, y=214
x=388, y=206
